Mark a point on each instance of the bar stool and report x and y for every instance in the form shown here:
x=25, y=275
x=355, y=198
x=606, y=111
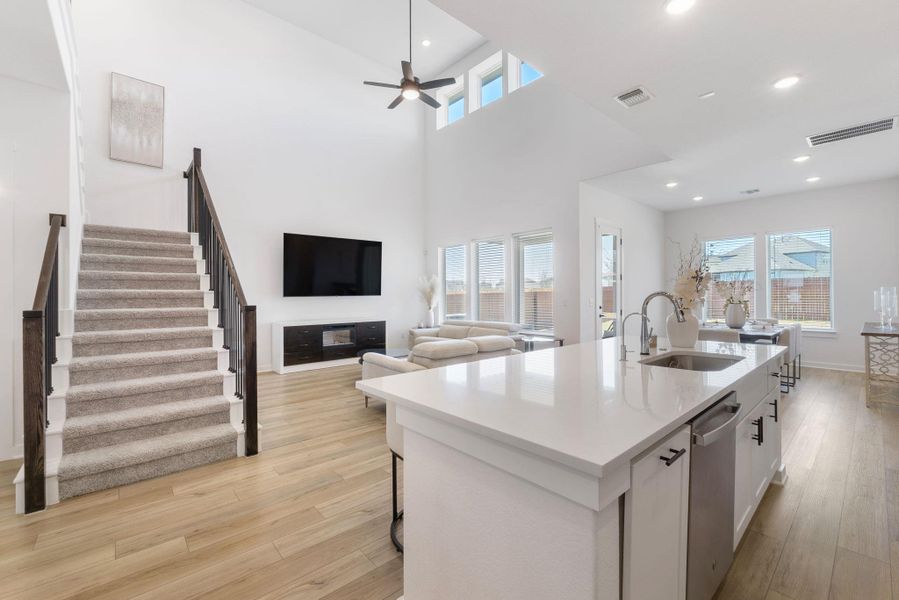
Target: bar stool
x=787, y=338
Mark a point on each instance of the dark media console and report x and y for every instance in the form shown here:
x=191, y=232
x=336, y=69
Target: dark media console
x=302, y=344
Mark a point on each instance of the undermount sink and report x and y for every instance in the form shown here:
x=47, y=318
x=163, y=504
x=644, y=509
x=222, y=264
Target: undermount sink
x=692, y=362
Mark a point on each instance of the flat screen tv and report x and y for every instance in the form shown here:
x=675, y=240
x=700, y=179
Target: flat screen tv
x=326, y=266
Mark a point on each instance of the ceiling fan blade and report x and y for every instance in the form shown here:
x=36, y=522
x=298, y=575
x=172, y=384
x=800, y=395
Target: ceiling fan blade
x=428, y=100
x=396, y=102
x=430, y=85
x=379, y=84
x=407, y=70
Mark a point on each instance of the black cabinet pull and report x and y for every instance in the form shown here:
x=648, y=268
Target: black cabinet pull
x=774, y=404
x=670, y=460
x=760, y=430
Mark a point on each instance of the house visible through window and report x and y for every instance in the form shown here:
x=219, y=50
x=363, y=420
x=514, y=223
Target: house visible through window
x=800, y=282
x=535, y=281
x=455, y=107
x=527, y=74
x=732, y=266
x=491, y=265
x=455, y=304
x=492, y=86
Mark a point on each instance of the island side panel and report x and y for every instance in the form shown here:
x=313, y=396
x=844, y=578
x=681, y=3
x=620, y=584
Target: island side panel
x=474, y=531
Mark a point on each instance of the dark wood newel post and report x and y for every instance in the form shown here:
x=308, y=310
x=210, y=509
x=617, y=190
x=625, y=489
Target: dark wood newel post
x=34, y=414
x=250, y=420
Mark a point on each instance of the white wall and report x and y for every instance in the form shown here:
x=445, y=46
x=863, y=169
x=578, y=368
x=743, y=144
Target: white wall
x=864, y=219
x=515, y=166
x=292, y=142
x=642, y=256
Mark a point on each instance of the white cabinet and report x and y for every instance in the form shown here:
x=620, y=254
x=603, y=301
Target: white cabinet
x=757, y=452
x=655, y=514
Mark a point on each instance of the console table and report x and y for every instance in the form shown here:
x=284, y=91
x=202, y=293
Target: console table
x=315, y=344
x=881, y=364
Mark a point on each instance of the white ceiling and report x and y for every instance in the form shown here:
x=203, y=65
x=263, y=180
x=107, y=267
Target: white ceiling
x=379, y=30
x=28, y=47
x=847, y=53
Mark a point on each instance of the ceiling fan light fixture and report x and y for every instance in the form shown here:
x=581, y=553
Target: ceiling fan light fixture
x=678, y=7
x=411, y=93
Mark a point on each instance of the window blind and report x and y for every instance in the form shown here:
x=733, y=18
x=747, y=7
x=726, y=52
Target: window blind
x=800, y=282
x=454, y=298
x=491, y=263
x=731, y=261
x=535, y=281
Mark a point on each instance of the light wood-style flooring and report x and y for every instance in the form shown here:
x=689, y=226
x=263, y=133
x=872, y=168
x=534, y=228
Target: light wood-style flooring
x=308, y=518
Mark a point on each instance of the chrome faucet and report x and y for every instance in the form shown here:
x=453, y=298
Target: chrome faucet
x=644, y=330
x=623, y=352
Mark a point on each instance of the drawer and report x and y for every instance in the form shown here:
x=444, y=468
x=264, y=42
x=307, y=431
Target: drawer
x=301, y=338
x=339, y=352
x=301, y=358
x=371, y=328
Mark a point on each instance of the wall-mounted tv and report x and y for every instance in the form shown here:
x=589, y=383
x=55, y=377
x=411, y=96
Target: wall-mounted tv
x=326, y=266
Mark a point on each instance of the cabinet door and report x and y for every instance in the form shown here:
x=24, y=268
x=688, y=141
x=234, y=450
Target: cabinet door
x=743, y=496
x=761, y=441
x=772, y=443
x=655, y=538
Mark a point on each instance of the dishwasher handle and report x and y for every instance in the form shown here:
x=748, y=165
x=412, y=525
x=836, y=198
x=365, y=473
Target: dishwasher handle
x=708, y=438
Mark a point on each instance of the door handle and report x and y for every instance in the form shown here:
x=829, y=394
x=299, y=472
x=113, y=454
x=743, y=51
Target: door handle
x=774, y=404
x=760, y=430
x=670, y=460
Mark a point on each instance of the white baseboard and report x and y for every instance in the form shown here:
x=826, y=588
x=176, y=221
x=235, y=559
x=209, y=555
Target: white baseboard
x=318, y=365
x=834, y=366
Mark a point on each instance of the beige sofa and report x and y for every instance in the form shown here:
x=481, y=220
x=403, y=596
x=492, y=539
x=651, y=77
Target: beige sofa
x=459, y=329
x=438, y=353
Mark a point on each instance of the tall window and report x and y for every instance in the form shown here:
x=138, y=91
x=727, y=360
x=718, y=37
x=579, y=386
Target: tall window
x=455, y=303
x=492, y=86
x=800, y=282
x=535, y=280
x=732, y=266
x=491, y=264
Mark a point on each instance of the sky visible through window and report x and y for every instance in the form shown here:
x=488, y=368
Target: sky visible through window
x=528, y=74
x=455, y=109
x=492, y=87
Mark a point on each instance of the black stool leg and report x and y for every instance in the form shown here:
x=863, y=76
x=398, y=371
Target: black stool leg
x=397, y=515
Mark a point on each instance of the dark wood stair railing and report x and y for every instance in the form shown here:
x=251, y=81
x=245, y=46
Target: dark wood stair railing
x=235, y=315
x=40, y=327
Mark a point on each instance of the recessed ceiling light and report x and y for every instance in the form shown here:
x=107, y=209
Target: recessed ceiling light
x=671, y=184
x=677, y=7
x=786, y=82
x=801, y=159
x=426, y=43
x=813, y=179
x=706, y=95
x=697, y=198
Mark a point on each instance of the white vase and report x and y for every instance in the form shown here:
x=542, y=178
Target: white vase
x=683, y=335
x=735, y=315
x=431, y=318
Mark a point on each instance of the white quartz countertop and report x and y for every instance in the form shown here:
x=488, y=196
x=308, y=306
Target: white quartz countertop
x=577, y=405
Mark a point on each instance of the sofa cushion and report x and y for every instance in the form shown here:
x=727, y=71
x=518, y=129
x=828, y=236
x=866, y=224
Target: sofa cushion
x=426, y=338
x=455, y=332
x=481, y=331
x=493, y=343
x=444, y=349
x=505, y=326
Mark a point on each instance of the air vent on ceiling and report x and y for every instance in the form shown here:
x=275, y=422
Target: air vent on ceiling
x=633, y=97
x=851, y=132
x=750, y=192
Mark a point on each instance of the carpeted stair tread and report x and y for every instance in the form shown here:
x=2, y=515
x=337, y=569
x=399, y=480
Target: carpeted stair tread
x=137, y=335
x=135, y=248
x=146, y=385
x=85, y=425
x=102, y=314
x=105, y=280
x=119, y=456
x=88, y=363
x=125, y=298
x=113, y=232
x=138, y=264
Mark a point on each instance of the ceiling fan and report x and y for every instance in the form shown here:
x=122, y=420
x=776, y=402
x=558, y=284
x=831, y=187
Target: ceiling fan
x=410, y=87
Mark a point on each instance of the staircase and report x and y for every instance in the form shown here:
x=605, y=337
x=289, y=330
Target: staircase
x=149, y=389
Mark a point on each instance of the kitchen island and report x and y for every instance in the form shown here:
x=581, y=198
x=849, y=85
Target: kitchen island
x=537, y=476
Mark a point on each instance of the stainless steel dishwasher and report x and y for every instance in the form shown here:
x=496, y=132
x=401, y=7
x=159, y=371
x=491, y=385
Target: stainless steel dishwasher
x=710, y=538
